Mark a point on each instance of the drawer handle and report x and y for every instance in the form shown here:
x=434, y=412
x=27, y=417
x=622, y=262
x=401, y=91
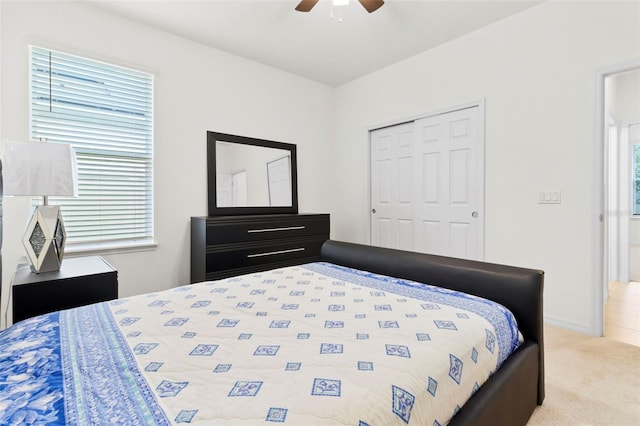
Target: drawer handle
x=271, y=253
x=288, y=228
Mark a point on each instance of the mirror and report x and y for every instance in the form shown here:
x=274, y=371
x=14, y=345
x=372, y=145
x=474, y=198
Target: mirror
x=250, y=176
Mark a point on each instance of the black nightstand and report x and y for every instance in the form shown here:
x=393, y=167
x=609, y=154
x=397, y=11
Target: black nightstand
x=80, y=281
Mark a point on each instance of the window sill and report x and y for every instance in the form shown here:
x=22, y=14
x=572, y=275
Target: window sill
x=115, y=247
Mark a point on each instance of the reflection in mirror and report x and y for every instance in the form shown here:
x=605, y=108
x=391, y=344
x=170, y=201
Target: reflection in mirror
x=250, y=176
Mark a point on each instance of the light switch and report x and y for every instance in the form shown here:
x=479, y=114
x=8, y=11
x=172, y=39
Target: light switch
x=550, y=197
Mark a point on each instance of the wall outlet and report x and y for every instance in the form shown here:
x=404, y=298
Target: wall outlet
x=550, y=197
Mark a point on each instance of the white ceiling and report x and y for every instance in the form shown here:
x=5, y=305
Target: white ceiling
x=313, y=45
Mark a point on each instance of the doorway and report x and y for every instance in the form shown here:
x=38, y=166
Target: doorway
x=620, y=135
x=427, y=183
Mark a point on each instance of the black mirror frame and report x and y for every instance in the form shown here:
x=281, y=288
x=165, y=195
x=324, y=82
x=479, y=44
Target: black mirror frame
x=214, y=210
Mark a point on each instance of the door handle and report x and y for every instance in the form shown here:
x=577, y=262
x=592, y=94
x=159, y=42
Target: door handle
x=373, y=211
x=288, y=228
x=272, y=253
x=474, y=215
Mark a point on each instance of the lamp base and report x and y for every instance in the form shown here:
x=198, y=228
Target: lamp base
x=44, y=239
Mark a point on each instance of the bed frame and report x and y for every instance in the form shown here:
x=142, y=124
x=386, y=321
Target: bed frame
x=511, y=393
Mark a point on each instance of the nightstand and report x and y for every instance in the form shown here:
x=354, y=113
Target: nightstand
x=80, y=281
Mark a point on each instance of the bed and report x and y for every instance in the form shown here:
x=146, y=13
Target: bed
x=344, y=341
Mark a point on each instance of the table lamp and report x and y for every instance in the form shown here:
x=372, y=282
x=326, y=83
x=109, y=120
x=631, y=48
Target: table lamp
x=42, y=169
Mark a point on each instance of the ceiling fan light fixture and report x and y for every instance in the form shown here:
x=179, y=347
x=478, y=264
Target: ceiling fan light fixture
x=369, y=5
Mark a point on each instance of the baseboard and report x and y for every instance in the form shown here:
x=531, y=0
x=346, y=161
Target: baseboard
x=569, y=325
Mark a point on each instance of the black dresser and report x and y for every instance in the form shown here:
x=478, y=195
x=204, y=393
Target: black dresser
x=224, y=246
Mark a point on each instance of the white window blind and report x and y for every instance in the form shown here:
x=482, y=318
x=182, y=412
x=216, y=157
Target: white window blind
x=105, y=112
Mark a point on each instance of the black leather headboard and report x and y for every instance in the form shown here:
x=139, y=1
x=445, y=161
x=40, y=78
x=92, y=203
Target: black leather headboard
x=518, y=289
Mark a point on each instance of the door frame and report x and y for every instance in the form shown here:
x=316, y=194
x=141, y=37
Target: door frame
x=600, y=184
x=480, y=104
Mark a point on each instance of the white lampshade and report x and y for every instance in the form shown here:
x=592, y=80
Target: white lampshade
x=40, y=169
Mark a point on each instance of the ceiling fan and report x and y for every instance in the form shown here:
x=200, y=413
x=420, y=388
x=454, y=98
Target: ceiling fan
x=370, y=5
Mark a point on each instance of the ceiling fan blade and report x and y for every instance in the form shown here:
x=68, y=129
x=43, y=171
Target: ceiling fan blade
x=306, y=5
x=371, y=5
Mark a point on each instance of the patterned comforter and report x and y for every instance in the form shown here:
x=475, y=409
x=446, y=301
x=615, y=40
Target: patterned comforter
x=305, y=345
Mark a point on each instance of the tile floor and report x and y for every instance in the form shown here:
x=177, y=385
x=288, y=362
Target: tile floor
x=622, y=312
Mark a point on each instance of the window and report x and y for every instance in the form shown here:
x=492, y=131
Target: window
x=635, y=184
x=106, y=113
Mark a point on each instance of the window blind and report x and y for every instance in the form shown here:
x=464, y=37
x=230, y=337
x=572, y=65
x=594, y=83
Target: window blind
x=106, y=113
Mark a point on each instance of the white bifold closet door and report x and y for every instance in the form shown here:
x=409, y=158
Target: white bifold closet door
x=427, y=185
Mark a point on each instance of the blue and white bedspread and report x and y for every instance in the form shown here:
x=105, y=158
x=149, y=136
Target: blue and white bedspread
x=313, y=344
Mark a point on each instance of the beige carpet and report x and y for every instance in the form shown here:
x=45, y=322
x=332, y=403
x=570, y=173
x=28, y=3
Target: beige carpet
x=589, y=381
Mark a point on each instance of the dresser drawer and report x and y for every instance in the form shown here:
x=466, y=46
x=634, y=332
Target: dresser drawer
x=222, y=258
x=224, y=246
x=275, y=228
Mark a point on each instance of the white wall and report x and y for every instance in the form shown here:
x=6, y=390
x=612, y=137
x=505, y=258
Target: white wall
x=536, y=72
x=196, y=89
x=2, y=291
x=626, y=101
